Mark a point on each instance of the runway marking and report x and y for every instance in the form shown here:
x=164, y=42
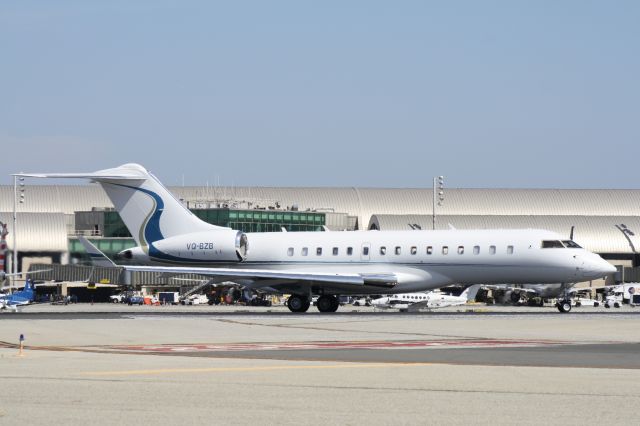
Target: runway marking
x=249, y=369
x=291, y=346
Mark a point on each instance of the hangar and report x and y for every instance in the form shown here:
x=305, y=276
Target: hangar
x=51, y=216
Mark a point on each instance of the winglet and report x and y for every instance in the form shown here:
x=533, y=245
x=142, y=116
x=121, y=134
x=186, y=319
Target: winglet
x=98, y=258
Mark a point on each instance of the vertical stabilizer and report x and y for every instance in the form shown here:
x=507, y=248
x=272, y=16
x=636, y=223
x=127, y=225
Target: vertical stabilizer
x=147, y=208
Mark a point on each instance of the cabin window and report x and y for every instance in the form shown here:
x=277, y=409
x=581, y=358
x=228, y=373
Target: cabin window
x=305, y=251
x=552, y=244
x=429, y=250
x=365, y=251
x=398, y=250
x=383, y=250
x=492, y=249
x=445, y=250
x=335, y=251
x=290, y=251
x=349, y=251
x=476, y=249
x=509, y=249
x=460, y=249
x=319, y=251
x=570, y=244
x=414, y=250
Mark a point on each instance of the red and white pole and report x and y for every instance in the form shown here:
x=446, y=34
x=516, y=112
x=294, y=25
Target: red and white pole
x=3, y=246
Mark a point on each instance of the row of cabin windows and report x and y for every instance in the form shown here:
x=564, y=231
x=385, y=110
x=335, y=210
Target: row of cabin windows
x=404, y=296
x=397, y=250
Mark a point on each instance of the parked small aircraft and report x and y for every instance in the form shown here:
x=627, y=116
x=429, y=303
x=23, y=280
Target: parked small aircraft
x=410, y=302
x=18, y=298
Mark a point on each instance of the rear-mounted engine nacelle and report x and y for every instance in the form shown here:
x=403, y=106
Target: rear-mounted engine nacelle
x=216, y=246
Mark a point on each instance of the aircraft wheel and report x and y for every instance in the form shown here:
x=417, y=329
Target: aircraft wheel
x=298, y=303
x=606, y=305
x=616, y=305
x=564, y=306
x=336, y=303
x=325, y=303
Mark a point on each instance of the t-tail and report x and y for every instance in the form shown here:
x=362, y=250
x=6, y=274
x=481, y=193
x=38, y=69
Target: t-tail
x=147, y=208
x=470, y=292
x=27, y=293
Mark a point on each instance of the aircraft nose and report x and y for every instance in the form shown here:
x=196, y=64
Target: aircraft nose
x=609, y=268
x=600, y=267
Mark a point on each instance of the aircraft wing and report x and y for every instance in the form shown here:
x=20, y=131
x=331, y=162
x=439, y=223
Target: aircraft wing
x=507, y=288
x=11, y=304
x=275, y=276
x=423, y=304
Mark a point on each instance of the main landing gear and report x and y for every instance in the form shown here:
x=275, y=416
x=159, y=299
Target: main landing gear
x=297, y=303
x=327, y=303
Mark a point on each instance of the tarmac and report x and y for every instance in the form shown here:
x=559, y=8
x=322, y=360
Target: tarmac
x=115, y=364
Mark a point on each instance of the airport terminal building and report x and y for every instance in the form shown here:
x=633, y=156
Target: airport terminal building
x=50, y=217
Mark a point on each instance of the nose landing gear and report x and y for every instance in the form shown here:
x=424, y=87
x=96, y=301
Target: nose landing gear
x=564, y=304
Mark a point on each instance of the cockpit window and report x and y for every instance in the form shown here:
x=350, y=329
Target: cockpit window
x=552, y=244
x=570, y=244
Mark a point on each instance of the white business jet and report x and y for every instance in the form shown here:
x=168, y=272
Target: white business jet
x=173, y=240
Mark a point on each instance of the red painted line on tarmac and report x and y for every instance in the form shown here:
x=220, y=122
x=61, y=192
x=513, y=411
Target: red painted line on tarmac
x=409, y=344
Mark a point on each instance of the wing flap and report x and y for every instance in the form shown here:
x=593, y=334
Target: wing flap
x=353, y=279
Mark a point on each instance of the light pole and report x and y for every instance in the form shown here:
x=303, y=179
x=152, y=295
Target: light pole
x=14, y=257
x=438, y=196
x=628, y=233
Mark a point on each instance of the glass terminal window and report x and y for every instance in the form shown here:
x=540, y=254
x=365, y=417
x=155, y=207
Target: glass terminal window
x=552, y=244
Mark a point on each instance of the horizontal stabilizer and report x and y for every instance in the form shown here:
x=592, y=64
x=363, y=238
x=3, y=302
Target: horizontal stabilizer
x=120, y=173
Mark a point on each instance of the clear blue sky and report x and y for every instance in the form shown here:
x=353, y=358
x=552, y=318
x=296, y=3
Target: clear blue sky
x=325, y=93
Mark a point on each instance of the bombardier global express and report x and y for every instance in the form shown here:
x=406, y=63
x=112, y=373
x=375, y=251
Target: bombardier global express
x=171, y=239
